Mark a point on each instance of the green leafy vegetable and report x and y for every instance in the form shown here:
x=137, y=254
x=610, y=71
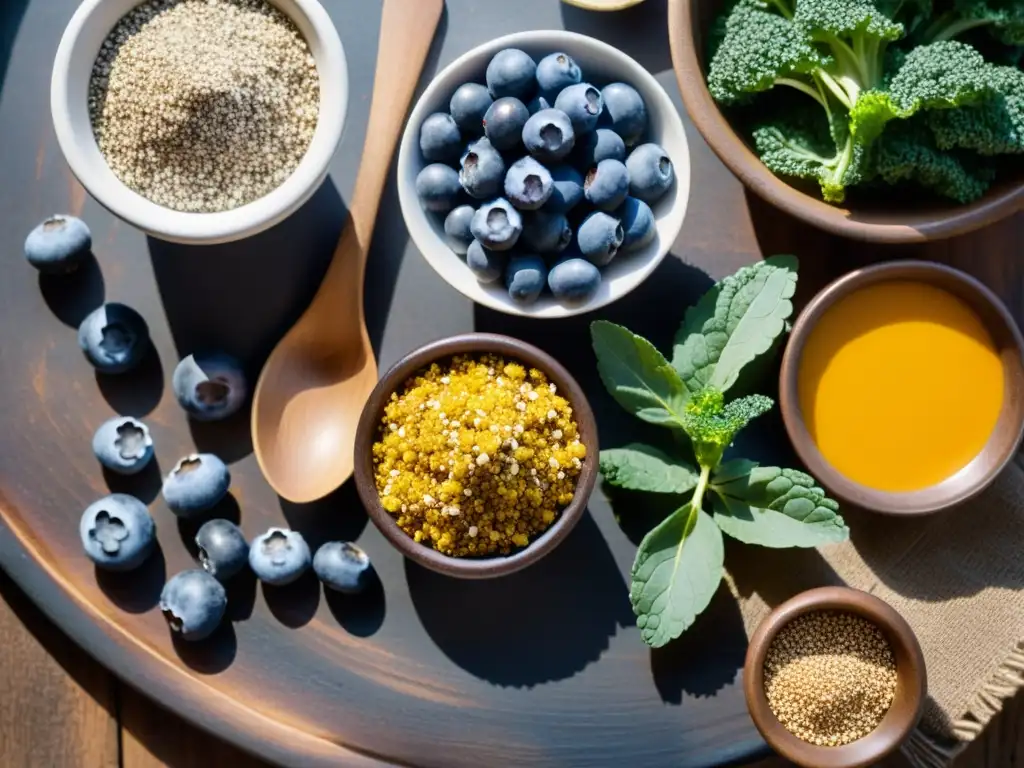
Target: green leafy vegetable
x=679, y=563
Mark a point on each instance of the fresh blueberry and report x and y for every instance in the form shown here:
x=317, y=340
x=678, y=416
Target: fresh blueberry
x=528, y=184
x=511, y=73
x=497, y=225
x=342, y=566
x=638, y=225
x=485, y=264
x=209, y=387
x=607, y=185
x=525, y=277
x=504, y=121
x=469, y=104
x=59, y=245
x=537, y=103
x=624, y=112
x=196, y=484
x=546, y=232
x=438, y=187
x=440, y=140
x=548, y=135
x=279, y=556
x=114, y=338
x=650, y=173
x=117, y=532
x=593, y=147
x=583, y=104
x=482, y=170
x=193, y=602
x=557, y=71
x=123, y=445
x=223, y=550
x=566, y=189
x=456, y=228
x=599, y=238
x=574, y=279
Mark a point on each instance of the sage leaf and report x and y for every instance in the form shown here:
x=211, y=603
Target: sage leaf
x=676, y=573
x=643, y=468
x=774, y=507
x=637, y=375
x=734, y=322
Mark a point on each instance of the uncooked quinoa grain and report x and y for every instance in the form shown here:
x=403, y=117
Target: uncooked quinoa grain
x=468, y=461
x=830, y=677
x=204, y=105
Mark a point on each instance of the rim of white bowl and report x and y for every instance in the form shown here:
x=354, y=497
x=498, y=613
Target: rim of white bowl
x=620, y=277
x=90, y=168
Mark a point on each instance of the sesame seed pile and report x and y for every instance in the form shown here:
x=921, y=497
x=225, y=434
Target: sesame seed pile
x=830, y=677
x=204, y=105
x=477, y=457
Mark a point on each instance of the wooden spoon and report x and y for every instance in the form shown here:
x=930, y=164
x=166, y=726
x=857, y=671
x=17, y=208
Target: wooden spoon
x=316, y=381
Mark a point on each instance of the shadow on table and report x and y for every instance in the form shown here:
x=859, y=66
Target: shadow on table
x=136, y=591
x=11, y=13
x=638, y=31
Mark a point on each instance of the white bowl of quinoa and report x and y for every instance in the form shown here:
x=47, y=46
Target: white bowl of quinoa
x=476, y=455
x=200, y=121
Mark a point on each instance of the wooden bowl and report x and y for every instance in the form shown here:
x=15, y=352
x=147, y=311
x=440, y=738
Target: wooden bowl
x=911, y=680
x=394, y=379
x=880, y=221
x=1001, y=445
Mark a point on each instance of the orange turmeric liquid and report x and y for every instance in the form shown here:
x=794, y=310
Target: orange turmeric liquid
x=900, y=385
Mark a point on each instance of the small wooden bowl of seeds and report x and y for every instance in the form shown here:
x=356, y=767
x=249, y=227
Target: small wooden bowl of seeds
x=476, y=455
x=834, y=678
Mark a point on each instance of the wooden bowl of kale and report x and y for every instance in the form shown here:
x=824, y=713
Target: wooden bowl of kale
x=882, y=120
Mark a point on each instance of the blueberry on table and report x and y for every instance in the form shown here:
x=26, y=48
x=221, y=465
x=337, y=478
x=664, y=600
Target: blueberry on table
x=342, y=566
x=528, y=184
x=117, y=532
x=114, y=338
x=638, y=225
x=440, y=140
x=574, y=279
x=193, y=602
x=566, y=189
x=468, y=106
x=497, y=225
x=525, y=277
x=209, y=387
x=593, y=147
x=196, y=484
x=624, y=112
x=456, y=228
x=583, y=104
x=223, y=550
x=123, y=445
x=438, y=187
x=599, y=238
x=546, y=232
x=511, y=73
x=279, y=556
x=650, y=173
x=557, y=71
x=485, y=264
x=482, y=170
x=504, y=121
x=548, y=135
x=536, y=104
x=59, y=245
x=607, y=185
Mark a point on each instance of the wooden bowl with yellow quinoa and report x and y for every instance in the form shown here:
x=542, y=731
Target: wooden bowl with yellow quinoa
x=476, y=455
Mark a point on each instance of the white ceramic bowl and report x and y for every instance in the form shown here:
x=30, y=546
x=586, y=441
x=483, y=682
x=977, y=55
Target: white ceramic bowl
x=69, y=90
x=601, y=64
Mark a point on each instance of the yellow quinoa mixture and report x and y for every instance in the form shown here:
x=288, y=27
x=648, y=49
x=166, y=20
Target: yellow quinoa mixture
x=477, y=456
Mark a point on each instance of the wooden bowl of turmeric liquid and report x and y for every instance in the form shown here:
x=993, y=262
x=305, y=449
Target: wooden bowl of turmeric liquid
x=902, y=387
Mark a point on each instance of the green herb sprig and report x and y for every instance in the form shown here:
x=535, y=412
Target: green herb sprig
x=680, y=563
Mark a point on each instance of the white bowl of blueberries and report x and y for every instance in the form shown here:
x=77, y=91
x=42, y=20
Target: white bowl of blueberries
x=544, y=174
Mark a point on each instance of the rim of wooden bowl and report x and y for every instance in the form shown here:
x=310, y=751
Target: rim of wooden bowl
x=395, y=378
x=911, y=680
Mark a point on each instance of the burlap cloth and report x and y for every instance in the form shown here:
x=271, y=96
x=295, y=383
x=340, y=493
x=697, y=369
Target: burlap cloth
x=957, y=577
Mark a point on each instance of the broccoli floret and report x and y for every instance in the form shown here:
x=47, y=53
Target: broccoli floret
x=1004, y=19
x=712, y=424
x=993, y=127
